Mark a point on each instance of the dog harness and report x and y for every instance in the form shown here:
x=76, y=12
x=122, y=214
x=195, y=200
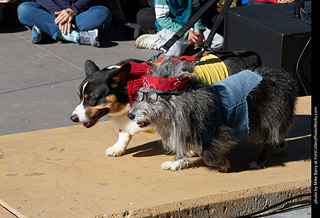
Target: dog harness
x=231, y=108
x=209, y=69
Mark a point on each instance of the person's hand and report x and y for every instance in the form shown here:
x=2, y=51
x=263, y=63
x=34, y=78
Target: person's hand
x=195, y=38
x=201, y=40
x=64, y=19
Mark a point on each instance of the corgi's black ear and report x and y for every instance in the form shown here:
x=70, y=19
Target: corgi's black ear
x=121, y=75
x=90, y=67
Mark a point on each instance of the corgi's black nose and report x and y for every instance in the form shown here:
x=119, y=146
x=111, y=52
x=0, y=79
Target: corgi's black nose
x=131, y=116
x=74, y=118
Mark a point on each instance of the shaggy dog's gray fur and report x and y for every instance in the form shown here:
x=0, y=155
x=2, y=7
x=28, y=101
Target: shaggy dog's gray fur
x=178, y=119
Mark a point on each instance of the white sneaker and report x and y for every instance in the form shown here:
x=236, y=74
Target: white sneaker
x=217, y=43
x=89, y=38
x=147, y=41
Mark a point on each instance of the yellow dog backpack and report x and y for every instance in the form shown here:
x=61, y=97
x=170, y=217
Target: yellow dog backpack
x=210, y=68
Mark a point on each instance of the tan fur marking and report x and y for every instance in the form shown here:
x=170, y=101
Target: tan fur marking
x=117, y=78
x=122, y=131
x=111, y=98
x=113, y=105
x=91, y=111
x=121, y=77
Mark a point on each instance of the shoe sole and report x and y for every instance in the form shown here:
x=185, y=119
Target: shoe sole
x=141, y=38
x=38, y=36
x=97, y=38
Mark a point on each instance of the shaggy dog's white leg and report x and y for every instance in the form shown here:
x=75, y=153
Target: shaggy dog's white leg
x=175, y=165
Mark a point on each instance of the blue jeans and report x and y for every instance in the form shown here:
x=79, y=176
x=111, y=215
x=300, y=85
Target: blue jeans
x=32, y=14
x=231, y=108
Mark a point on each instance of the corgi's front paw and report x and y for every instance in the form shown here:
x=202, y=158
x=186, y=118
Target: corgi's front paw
x=115, y=151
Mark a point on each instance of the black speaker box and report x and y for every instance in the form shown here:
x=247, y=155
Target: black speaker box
x=281, y=40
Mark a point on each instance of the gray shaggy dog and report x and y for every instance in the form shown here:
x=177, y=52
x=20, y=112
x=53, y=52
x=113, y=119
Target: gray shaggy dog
x=179, y=117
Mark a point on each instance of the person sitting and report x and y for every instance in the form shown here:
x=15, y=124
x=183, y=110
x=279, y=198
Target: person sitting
x=171, y=15
x=75, y=21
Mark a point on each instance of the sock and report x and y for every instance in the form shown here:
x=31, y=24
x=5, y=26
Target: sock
x=71, y=37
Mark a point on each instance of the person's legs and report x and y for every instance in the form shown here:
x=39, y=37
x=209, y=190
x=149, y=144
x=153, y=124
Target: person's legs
x=96, y=17
x=177, y=49
x=87, y=24
x=217, y=41
x=155, y=41
x=32, y=14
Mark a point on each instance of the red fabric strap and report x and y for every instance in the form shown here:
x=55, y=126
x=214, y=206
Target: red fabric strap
x=182, y=58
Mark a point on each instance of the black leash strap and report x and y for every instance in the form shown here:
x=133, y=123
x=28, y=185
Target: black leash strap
x=164, y=49
x=213, y=31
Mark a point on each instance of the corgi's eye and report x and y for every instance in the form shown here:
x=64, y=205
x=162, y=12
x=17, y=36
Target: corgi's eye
x=91, y=101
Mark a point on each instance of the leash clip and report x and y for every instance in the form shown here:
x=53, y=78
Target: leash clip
x=198, y=58
x=155, y=57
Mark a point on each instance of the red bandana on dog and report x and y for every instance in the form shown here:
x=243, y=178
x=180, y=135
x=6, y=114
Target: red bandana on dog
x=165, y=83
